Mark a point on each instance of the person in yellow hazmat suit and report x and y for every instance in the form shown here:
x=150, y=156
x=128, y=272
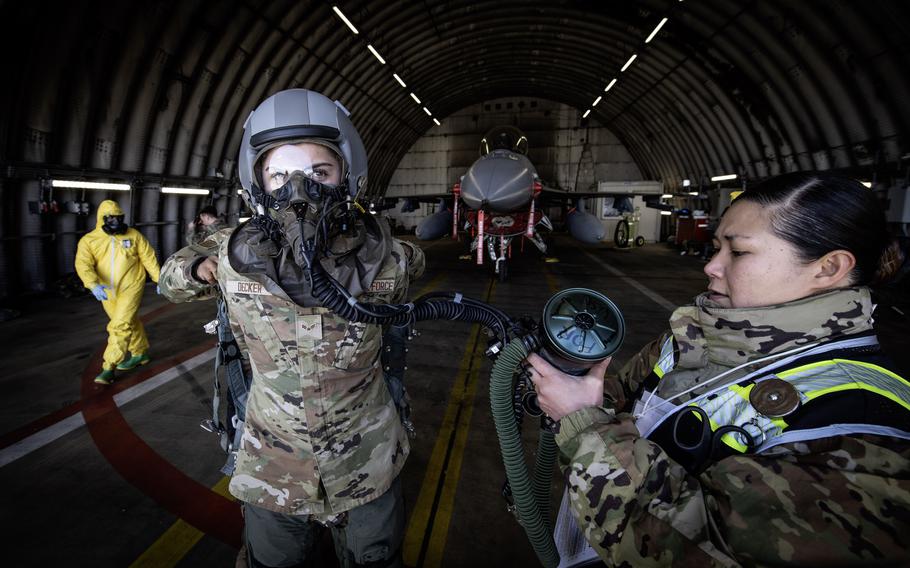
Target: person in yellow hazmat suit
x=112, y=261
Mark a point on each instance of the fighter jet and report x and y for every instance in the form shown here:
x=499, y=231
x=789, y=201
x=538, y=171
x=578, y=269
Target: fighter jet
x=498, y=201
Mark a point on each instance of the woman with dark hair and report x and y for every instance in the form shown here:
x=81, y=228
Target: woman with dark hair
x=766, y=427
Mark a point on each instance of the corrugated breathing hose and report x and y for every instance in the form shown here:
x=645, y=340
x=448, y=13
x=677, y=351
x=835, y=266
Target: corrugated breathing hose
x=531, y=497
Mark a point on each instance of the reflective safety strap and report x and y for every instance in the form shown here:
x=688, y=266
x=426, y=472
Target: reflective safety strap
x=811, y=381
x=829, y=431
x=718, y=400
x=666, y=360
x=863, y=375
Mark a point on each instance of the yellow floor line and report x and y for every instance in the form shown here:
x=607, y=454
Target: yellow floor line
x=430, y=286
x=177, y=541
x=420, y=516
x=446, y=506
x=551, y=281
x=461, y=396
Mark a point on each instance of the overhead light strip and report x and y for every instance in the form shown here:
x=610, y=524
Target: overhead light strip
x=345, y=19
x=376, y=53
x=597, y=100
x=651, y=36
x=185, y=190
x=587, y=112
x=657, y=29
x=381, y=60
x=90, y=185
x=724, y=177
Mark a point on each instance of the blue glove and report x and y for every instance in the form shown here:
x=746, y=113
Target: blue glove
x=99, y=293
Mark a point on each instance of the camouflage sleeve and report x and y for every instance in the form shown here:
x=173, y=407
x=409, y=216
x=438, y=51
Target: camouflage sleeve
x=176, y=281
x=402, y=271
x=817, y=506
x=635, y=506
x=416, y=260
x=192, y=237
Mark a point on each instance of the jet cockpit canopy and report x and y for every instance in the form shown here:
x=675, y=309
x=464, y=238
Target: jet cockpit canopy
x=504, y=138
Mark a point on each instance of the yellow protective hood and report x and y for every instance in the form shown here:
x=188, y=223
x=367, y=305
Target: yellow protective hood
x=107, y=207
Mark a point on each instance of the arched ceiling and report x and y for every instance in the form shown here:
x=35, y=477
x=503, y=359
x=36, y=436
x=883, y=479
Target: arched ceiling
x=160, y=89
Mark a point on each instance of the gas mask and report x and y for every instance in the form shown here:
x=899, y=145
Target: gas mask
x=114, y=225
x=303, y=199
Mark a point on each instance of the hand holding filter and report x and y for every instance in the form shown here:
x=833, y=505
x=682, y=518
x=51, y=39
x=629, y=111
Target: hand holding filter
x=580, y=328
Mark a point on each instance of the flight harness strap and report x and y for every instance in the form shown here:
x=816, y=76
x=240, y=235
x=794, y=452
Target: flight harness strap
x=394, y=358
x=229, y=356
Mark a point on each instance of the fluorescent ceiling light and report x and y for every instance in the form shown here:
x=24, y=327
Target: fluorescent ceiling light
x=437, y=122
x=666, y=196
x=587, y=112
x=185, y=190
x=90, y=185
x=686, y=183
x=426, y=110
x=629, y=62
x=693, y=193
x=243, y=219
x=610, y=86
x=657, y=29
x=666, y=212
x=867, y=184
x=376, y=53
x=416, y=100
x=239, y=192
x=597, y=100
x=345, y=20
x=397, y=78
x=724, y=177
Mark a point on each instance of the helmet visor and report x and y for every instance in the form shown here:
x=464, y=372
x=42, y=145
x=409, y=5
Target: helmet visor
x=319, y=162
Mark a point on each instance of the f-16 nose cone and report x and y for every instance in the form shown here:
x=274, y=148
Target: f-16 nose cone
x=501, y=181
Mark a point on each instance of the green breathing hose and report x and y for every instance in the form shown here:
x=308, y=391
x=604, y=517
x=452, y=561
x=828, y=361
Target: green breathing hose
x=531, y=498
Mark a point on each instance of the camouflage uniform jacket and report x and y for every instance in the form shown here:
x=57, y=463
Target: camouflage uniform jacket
x=322, y=434
x=201, y=232
x=834, y=500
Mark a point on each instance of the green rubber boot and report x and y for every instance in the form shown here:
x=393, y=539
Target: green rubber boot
x=134, y=361
x=105, y=377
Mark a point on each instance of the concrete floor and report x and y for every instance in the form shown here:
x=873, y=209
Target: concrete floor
x=124, y=475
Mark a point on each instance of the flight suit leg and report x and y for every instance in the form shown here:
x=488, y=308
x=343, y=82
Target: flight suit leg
x=373, y=533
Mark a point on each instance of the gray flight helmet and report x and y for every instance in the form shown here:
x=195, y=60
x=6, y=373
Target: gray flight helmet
x=296, y=115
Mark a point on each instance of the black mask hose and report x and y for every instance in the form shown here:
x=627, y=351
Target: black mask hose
x=332, y=295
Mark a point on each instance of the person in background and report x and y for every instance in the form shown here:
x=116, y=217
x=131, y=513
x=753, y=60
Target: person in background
x=112, y=261
x=207, y=222
x=766, y=427
x=323, y=442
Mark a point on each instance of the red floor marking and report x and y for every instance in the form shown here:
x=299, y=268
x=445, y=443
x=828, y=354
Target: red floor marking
x=19, y=434
x=141, y=466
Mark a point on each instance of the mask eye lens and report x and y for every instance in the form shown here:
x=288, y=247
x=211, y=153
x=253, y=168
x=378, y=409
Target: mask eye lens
x=275, y=177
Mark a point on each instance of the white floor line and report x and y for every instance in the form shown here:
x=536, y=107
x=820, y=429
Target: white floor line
x=658, y=299
x=59, y=429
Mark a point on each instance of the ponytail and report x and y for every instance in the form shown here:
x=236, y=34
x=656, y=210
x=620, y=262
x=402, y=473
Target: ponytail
x=890, y=263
